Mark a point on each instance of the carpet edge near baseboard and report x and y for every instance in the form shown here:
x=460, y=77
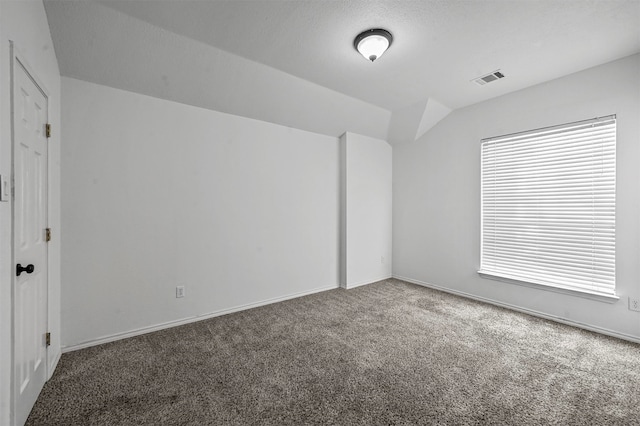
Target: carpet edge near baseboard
x=365, y=282
x=175, y=323
x=532, y=312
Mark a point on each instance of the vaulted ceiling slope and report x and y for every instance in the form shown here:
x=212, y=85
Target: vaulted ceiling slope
x=104, y=46
x=292, y=62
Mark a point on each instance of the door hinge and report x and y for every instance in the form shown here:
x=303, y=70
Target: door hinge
x=47, y=234
x=47, y=338
x=47, y=130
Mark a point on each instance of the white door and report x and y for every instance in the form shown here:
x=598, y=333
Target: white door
x=30, y=245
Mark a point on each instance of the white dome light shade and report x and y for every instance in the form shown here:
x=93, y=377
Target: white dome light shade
x=373, y=47
x=373, y=43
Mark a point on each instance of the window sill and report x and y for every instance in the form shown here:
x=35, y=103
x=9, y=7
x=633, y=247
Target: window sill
x=563, y=290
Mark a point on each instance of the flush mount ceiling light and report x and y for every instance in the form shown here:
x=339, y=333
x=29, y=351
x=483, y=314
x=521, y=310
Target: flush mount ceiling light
x=373, y=43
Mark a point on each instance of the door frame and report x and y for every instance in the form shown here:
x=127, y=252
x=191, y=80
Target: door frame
x=17, y=60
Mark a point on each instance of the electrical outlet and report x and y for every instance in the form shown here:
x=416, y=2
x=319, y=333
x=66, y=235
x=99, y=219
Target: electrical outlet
x=634, y=304
x=179, y=291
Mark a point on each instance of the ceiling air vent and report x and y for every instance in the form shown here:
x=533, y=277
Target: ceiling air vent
x=481, y=81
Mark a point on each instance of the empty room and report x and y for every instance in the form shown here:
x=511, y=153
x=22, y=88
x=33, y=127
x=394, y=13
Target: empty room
x=340, y=212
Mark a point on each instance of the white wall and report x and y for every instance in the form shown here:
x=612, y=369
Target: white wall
x=436, y=184
x=366, y=224
x=25, y=23
x=158, y=194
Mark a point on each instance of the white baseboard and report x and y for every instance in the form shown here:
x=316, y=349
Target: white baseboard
x=532, y=312
x=169, y=324
x=361, y=283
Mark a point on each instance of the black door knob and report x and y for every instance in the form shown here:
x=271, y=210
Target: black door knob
x=20, y=269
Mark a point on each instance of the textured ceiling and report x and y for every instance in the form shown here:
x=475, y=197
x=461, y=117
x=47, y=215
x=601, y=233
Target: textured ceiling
x=439, y=46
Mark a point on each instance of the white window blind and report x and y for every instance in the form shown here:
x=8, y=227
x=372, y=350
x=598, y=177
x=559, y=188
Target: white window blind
x=548, y=206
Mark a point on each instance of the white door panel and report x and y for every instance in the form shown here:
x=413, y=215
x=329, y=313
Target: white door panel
x=30, y=222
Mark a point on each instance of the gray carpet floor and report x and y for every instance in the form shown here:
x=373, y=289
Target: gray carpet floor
x=390, y=353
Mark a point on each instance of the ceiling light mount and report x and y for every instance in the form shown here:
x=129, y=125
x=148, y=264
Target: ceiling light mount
x=373, y=43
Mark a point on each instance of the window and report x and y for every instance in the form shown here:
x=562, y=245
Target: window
x=548, y=206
